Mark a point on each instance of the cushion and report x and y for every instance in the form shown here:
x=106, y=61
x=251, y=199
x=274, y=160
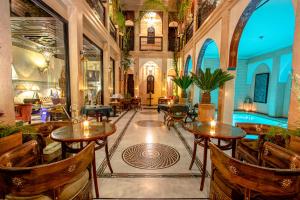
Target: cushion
x=72, y=189
x=52, y=151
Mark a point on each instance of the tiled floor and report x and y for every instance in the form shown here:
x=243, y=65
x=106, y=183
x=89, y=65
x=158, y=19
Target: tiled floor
x=176, y=181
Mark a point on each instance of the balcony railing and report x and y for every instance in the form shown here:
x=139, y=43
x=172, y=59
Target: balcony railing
x=151, y=43
x=189, y=32
x=98, y=8
x=112, y=30
x=205, y=8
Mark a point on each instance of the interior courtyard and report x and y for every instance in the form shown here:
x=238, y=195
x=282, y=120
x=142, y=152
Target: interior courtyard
x=150, y=99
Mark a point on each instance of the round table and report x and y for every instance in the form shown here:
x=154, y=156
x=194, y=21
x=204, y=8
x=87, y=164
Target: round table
x=94, y=131
x=114, y=105
x=203, y=132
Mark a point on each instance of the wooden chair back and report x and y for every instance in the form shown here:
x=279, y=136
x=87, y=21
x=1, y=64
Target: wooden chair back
x=278, y=157
x=253, y=128
x=267, y=181
x=32, y=180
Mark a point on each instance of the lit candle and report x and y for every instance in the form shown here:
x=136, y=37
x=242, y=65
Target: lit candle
x=213, y=124
x=86, y=124
x=213, y=127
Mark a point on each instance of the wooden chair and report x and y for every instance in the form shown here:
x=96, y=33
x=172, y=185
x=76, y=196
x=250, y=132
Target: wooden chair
x=176, y=114
x=249, y=149
x=136, y=103
x=193, y=113
x=67, y=179
x=23, y=112
x=278, y=157
x=233, y=179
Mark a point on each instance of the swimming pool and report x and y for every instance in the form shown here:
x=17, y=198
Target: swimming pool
x=243, y=117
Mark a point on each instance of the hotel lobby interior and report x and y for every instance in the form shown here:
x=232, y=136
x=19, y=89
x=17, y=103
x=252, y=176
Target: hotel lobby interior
x=150, y=99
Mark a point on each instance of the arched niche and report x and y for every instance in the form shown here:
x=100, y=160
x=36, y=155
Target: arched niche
x=208, y=57
x=188, y=67
x=173, y=24
x=151, y=19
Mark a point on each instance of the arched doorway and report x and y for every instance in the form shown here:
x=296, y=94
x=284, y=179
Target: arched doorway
x=208, y=58
x=264, y=36
x=188, y=67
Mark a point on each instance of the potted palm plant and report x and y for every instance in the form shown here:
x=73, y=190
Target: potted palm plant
x=184, y=83
x=207, y=82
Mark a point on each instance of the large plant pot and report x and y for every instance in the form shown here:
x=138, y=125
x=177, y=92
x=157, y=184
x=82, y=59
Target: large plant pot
x=9, y=142
x=206, y=112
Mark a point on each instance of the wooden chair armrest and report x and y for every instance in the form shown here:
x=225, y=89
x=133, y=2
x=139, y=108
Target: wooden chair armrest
x=27, y=154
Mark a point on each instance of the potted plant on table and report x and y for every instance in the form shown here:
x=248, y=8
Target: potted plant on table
x=184, y=82
x=208, y=82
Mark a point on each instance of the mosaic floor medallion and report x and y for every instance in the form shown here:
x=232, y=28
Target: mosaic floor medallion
x=150, y=156
x=150, y=123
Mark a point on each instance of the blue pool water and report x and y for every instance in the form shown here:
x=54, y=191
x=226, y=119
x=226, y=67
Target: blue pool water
x=258, y=118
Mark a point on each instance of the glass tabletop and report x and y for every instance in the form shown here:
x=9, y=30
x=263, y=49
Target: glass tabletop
x=220, y=130
x=83, y=132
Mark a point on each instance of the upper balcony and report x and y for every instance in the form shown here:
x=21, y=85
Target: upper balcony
x=98, y=8
x=151, y=43
x=205, y=8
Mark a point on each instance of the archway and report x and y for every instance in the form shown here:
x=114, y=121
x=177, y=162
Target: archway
x=260, y=40
x=188, y=67
x=208, y=58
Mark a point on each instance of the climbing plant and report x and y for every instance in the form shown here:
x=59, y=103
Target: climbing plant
x=183, y=7
x=154, y=5
x=126, y=60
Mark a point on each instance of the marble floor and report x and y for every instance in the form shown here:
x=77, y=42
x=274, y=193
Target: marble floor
x=149, y=161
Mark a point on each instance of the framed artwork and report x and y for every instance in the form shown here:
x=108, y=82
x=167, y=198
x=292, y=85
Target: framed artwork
x=261, y=87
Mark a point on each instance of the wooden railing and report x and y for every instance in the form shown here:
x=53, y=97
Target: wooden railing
x=205, y=8
x=151, y=43
x=112, y=30
x=98, y=8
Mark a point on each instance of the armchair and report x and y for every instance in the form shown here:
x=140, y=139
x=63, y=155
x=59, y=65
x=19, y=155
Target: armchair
x=23, y=112
x=21, y=178
x=233, y=179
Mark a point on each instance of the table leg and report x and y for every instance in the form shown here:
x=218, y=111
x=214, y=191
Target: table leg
x=233, y=148
x=194, y=155
x=107, y=156
x=63, y=150
x=95, y=176
x=204, y=163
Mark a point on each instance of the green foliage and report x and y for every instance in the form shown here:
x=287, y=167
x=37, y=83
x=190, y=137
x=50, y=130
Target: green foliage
x=183, y=7
x=125, y=54
x=6, y=130
x=154, y=5
x=183, y=82
x=117, y=16
x=283, y=132
x=208, y=81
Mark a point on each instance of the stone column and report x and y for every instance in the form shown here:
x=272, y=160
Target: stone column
x=106, y=70
x=226, y=94
x=137, y=31
x=75, y=45
x=165, y=29
x=7, y=96
x=117, y=73
x=294, y=111
x=164, y=72
x=136, y=76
